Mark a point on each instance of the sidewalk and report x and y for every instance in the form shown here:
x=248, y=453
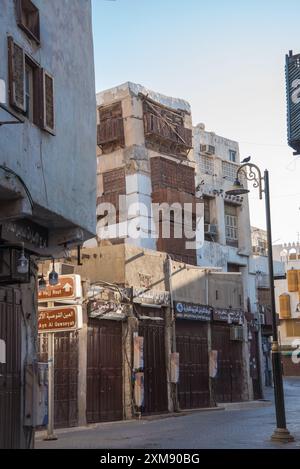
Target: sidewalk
x=40, y=435
x=246, y=425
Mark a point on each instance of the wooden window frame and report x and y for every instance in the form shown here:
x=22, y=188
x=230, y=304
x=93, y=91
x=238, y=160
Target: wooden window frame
x=231, y=223
x=36, y=118
x=20, y=7
x=18, y=78
x=232, y=156
x=44, y=75
x=12, y=75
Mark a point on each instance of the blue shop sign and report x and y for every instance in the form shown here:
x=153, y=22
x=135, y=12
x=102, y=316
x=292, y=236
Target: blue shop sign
x=192, y=311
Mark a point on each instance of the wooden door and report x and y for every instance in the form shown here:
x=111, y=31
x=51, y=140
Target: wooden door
x=104, y=371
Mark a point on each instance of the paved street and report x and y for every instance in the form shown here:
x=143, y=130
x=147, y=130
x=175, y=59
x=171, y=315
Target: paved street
x=245, y=426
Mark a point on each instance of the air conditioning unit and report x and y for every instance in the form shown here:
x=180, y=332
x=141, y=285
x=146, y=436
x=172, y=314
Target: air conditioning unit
x=262, y=319
x=237, y=333
x=210, y=229
x=208, y=149
x=260, y=251
x=64, y=269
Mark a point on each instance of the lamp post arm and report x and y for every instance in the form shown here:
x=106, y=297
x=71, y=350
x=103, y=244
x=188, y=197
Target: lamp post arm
x=253, y=175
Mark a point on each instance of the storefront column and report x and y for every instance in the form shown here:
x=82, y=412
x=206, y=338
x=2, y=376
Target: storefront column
x=169, y=338
x=82, y=370
x=128, y=329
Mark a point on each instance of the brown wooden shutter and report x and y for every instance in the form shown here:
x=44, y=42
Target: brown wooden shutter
x=16, y=72
x=28, y=19
x=47, y=102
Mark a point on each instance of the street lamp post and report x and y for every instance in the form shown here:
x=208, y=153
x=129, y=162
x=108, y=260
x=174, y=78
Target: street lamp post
x=252, y=173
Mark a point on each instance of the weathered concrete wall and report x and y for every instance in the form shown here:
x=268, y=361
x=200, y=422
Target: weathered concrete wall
x=103, y=263
x=128, y=329
x=229, y=288
x=28, y=352
x=135, y=157
x=145, y=268
x=59, y=170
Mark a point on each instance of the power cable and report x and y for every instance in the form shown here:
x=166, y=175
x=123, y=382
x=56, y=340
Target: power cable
x=10, y=171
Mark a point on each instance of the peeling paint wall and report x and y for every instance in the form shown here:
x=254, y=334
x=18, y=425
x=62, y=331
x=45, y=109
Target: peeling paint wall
x=135, y=156
x=58, y=170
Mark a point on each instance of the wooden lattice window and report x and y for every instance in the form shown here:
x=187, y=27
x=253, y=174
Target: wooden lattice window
x=111, y=128
x=16, y=60
x=48, y=121
x=164, y=129
x=28, y=18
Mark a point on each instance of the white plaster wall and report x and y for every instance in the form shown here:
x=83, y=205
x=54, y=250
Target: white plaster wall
x=60, y=170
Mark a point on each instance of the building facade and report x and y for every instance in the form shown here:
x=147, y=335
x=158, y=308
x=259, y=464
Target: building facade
x=288, y=305
x=261, y=269
x=158, y=336
x=149, y=153
x=144, y=155
x=44, y=46
x=227, y=232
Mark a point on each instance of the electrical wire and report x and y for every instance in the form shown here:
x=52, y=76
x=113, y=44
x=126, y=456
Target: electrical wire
x=10, y=171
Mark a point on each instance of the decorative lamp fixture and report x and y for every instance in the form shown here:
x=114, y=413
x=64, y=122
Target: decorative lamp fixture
x=53, y=276
x=42, y=283
x=22, y=263
x=237, y=189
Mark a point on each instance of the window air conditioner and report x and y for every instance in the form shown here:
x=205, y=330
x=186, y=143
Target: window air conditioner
x=237, y=333
x=210, y=229
x=207, y=149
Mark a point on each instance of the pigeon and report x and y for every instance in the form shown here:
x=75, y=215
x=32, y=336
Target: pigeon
x=246, y=160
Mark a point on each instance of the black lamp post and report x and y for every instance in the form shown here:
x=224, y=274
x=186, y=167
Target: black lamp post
x=281, y=433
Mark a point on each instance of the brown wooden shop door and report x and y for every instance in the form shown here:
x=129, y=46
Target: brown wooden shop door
x=65, y=376
x=155, y=375
x=228, y=385
x=10, y=372
x=104, y=371
x=192, y=345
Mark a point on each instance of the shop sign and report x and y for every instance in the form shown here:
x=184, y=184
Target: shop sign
x=32, y=235
x=97, y=308
x=151, y=297
x=192, y=311
x=65, y=318
x=230, y=316
x=293, y=100
x=68, y=288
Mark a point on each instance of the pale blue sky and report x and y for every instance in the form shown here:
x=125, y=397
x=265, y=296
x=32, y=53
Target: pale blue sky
x=226, y=57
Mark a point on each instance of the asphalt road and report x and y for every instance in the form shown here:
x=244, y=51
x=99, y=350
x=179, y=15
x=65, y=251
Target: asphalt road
x=238, y=428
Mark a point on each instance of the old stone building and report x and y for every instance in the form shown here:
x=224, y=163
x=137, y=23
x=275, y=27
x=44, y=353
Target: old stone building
x=149, y=153
x=44, y=46
x=158, y=336
x=144, y=153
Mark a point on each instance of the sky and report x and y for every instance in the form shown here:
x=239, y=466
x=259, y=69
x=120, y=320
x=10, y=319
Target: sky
x=227, y=58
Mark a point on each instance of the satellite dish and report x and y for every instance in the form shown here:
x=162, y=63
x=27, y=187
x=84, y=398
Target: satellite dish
x=2, y=92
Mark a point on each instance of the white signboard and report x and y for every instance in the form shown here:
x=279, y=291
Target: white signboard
x=2, y=92
x=2, y=352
